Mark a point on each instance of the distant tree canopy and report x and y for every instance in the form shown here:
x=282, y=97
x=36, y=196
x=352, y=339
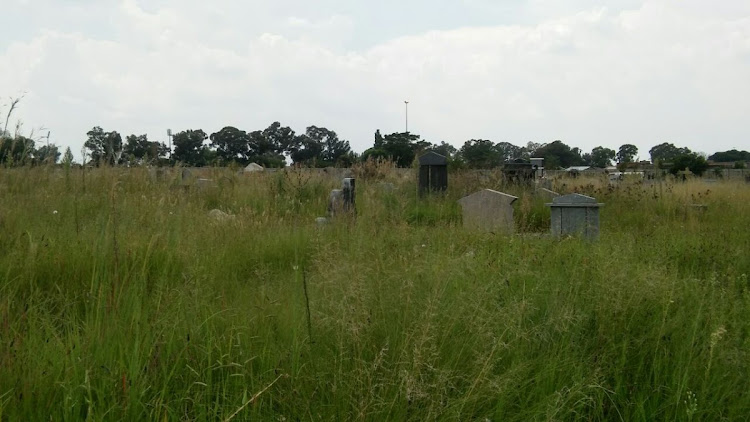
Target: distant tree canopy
x=730, y=156
x=559, y=155
x=16, y=151
x=480, y=154
x=67, y=158
x=322, y=147
x=400, y=147
x=231, y=144
x=189, y=148
x=602, y=157
x=48, y=154
x=104, y=147
x=319, y=147
x=445, y=149
x=626, y=153
x=138, y=149
x=692, y=161
x=666, y=152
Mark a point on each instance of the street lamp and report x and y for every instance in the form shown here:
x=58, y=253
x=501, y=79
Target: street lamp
x=406, y=104
x=169, y=137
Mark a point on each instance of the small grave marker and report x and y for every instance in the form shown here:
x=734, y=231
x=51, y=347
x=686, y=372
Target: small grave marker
x=348, y=191
x=575, y=214
x=433, y=173
x=488, y=210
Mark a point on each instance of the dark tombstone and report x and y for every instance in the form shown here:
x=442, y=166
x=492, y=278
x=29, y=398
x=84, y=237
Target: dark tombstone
x=342, y=201
x=537, y=164
x=575, y=214
x=519, y=171
x=433, y=173
x=347, y=189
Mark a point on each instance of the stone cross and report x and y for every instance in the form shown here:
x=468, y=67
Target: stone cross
x=488, y=210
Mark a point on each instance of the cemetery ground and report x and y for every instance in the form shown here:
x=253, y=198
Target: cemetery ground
x=122, y=299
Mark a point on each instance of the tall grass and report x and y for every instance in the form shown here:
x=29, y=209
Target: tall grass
x=120, y=299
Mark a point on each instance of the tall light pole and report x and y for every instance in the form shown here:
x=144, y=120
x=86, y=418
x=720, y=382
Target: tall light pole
x=169, y=137
x=406, y=104
x=48, y=156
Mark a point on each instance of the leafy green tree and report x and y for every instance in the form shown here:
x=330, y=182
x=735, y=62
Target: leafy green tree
x=333, y=147
x=666, y=152
x=400, y=147
x=16, y=151
x=602, y=157
x=480, y=154
x=231, y=144
x=307, y=151
x=139, y=149
x=278, y=139
x=321, y=147
x=692, y=161
x=557, y=154
x=509, y=152
x=729, y=156
x=189, y=148
x=47, y=154
x=267, y=147
x=626, y=153
x=739, y=165
x=530, y=150
x=67, y=159
x=104, y=147
x=445, y=149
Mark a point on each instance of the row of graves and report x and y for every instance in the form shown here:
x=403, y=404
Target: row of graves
x=489, y=210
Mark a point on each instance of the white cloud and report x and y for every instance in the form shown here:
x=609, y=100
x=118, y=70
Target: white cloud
x=664, y=71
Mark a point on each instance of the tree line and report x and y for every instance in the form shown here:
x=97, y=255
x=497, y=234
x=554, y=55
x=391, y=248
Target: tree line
x=322, y=147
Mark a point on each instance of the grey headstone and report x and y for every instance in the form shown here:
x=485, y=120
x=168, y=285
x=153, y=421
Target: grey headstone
x=321, y=221
x=575, y=214
x=220, y=216
x=546, y=193
x=205, y=184
x=349, y=193
x=386, y=187
x=335, y=202
x=488, y=210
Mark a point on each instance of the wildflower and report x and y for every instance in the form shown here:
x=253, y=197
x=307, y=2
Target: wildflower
x=54, y=212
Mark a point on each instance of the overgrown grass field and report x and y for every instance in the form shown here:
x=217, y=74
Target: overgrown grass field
x=120, y=299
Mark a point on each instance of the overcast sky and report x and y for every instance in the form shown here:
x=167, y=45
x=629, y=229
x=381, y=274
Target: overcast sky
x=641, y=72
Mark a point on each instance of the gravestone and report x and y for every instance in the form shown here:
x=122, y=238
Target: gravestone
x=575, y=214
x=335, y=202
x=348, y=191
x=342, y=201
x=204, y=185
x=220, y=216
x=537, y=164
x=433, y=173
x=488, y=210
x=546, y=193
x=386, y=187
x=253, y=168
x=186, y=176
